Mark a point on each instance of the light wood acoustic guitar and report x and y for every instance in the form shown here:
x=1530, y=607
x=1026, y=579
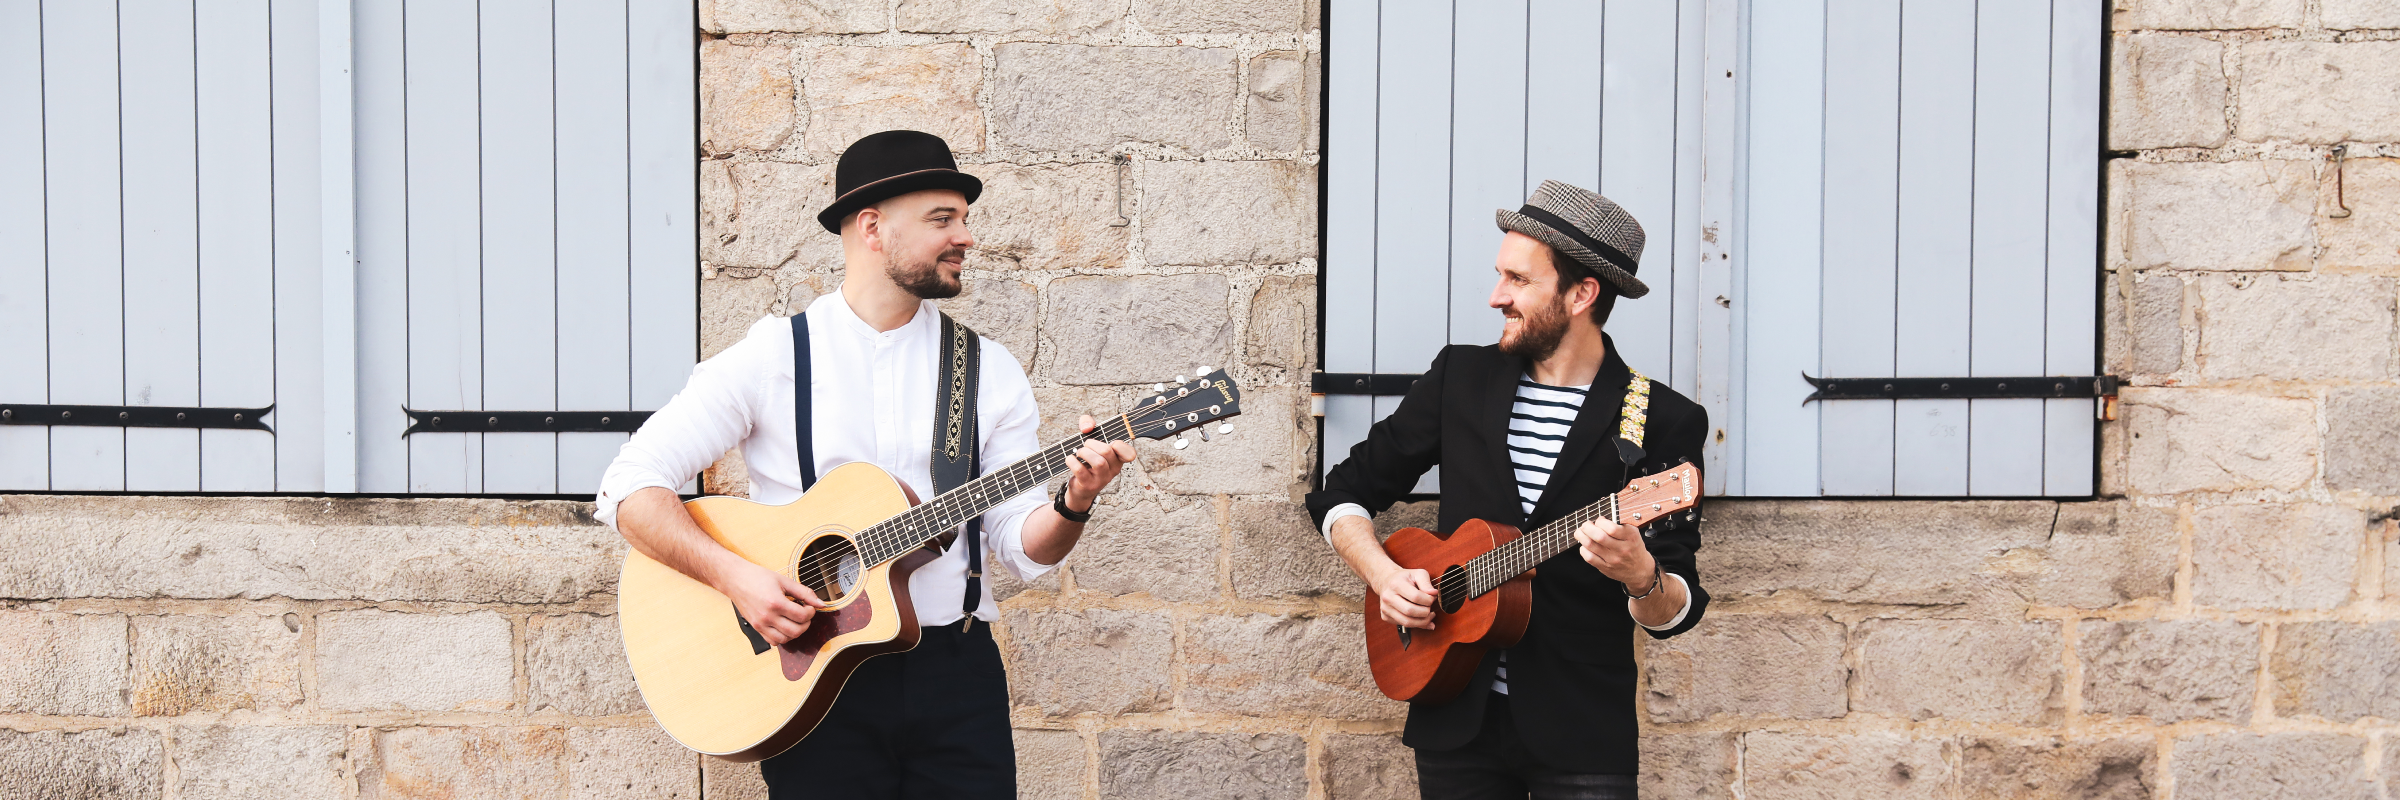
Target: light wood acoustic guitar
x=853, y=539
x=1483, y=575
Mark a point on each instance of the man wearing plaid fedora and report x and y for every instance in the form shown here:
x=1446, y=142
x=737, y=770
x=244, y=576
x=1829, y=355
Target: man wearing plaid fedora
x=1526, y=432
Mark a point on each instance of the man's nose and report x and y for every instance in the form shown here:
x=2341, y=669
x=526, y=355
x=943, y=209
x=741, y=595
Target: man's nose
x=965, y=238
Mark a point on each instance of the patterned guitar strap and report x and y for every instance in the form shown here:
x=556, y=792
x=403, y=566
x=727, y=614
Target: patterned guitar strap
x=1630, y=422
x=956, y=439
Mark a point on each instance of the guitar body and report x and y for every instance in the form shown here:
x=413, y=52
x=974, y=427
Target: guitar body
x=1431, y=666
x=714, y=687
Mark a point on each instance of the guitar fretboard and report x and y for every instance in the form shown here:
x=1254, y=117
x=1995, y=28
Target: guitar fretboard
x=1486, y=572
x=907, y=530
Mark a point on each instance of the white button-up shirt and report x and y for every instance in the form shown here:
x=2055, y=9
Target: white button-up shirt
x=872, y=401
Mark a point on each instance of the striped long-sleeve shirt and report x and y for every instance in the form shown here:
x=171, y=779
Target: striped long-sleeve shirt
x=1537, y=428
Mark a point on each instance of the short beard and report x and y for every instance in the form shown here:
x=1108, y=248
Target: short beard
x=1538, y=333
x=923, y=280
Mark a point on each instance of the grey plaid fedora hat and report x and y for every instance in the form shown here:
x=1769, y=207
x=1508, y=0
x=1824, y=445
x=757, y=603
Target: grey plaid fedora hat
x=1586, y=227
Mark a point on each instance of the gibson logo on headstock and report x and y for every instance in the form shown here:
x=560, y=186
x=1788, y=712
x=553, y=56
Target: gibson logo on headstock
x=1221, y=389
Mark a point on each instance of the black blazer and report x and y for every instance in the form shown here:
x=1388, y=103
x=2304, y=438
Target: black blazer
x=1571, y=679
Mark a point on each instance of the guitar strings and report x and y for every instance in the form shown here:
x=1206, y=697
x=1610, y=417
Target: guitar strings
x=1513, y=558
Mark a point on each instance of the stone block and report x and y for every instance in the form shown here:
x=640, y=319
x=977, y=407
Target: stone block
x=1201, y=766
x=1051, y=765
x=762, y=215
x=2358, y=14
x=1002, y=310
x=1097, y=660
x=2241, y=215
x=1697, y=766
x=854, y=91
x=2154, y=322
x=2362, y=440
x=104, y=764
x=630, y=764
x=1154, y=543
x=1281, y=105
x=242, y=763
x=1050, y=216
x=1267, y=453
x=1283, y=326
x=745, y=96
x=790, y=16
x=725, y=780
x=2169, y=92
x=2320, y=92
x=2205, y=15
x=1093, y=18
x=1749, y=665
x=1218, y=16
x=1158, y=326
x=2054, y=769
x=1869, y=766
x=575, y=663
x=463, y=762
x=2275, y=556
x=1960, y=670
x=730, y=304
x=2337, y=671
x=65, y=664
x=2323, y=327
x=370, y=660
x=1228, y=212
x=1277, y=552
x=2187, y=440
x=1247, y=663
x=2169, y=670
x=2368, y=239
x=1071, y=97
x=471, y=551
x=1368, y=767
x=2275, y=766
x=1424, y=515
x=1915, y=553
x=2102, y=555
x=185, y=664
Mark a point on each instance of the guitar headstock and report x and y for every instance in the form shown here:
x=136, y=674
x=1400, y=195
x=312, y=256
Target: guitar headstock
x=1187, y=405
x=1651, y=498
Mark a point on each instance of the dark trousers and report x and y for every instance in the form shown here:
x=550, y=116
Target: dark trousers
x=931, y=722
x=1495, y=766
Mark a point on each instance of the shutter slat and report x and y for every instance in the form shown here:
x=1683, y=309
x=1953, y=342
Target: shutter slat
x=593, y=332
x=445, y=336
x=380, y=96
x=1637, y=170
x=1937, y=113
x=520, y=231
x=2012, y=104
x=298, y=295
x=1412, y=186
x=1778, y=435
x=665, y=191
x=162, y=240
x=1862, y=134
x=2074, y=167
x=237, y=240
x=1487, y=152
x=85, y=266
x=24, y=311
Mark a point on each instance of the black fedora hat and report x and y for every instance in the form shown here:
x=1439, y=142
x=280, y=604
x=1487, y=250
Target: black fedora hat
x=889, y=164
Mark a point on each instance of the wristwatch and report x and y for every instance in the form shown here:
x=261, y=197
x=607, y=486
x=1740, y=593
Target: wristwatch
x=1059, y=504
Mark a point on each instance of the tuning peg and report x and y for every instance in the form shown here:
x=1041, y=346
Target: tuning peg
x=1204, y=434
x=1158, y=387
x=1224, y=427
x=1181, y=443
x=1203, y=370
x=1178, y=379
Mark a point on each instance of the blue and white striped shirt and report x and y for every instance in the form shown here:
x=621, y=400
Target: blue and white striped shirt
x=1537, y=428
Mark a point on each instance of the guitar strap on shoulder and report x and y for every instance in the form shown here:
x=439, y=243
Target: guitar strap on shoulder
x=1632, y=419
x=803, y=402
x=956, y=441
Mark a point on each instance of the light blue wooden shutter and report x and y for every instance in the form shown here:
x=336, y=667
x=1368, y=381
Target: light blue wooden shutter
x=177, y=224
x=1920, y=187
x=1440, y=113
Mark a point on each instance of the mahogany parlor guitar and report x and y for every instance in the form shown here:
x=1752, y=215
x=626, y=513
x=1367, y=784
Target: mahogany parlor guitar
x=853, y=538
x=1483, y=574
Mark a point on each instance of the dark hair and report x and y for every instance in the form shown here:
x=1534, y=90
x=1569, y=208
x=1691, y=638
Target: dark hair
x=1571, y=272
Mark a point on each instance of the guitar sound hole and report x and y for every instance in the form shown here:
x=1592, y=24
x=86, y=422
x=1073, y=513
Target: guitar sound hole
x=829, y=567
x=1453, y=588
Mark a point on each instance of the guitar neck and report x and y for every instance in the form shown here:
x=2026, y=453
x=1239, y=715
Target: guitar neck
x=1486, y=572
x=910, y=529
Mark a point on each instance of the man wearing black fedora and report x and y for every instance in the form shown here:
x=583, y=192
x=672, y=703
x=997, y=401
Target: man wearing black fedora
x=1546, y=422
x=856, y=377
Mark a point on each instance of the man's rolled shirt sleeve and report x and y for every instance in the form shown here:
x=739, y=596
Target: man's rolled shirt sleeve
x=1676, y=549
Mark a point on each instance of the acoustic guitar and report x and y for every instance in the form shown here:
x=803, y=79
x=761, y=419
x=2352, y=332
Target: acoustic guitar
x=716, y=686
x=1483, y=577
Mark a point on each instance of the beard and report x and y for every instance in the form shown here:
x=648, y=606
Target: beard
x=1538, y=332
x=925, y=280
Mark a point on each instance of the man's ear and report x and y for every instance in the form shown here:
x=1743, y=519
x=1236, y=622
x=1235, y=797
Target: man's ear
x=870, y=227
x=1585, y=294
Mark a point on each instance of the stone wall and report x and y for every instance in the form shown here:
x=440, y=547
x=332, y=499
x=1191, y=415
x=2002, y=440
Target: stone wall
x=2221, y=624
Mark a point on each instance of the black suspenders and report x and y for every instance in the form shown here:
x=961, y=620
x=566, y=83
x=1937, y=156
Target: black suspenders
x=957, y=434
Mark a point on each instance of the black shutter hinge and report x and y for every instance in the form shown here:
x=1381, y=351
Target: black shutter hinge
x=523, y=421
x=2052, y=387
x=136, y=416
x=1369, y=383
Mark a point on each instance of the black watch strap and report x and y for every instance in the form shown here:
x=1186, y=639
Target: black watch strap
x=1059, y=504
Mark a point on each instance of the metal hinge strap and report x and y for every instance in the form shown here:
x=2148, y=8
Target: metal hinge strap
x=136, y=416
x=2038, y=387
x=523, y=421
